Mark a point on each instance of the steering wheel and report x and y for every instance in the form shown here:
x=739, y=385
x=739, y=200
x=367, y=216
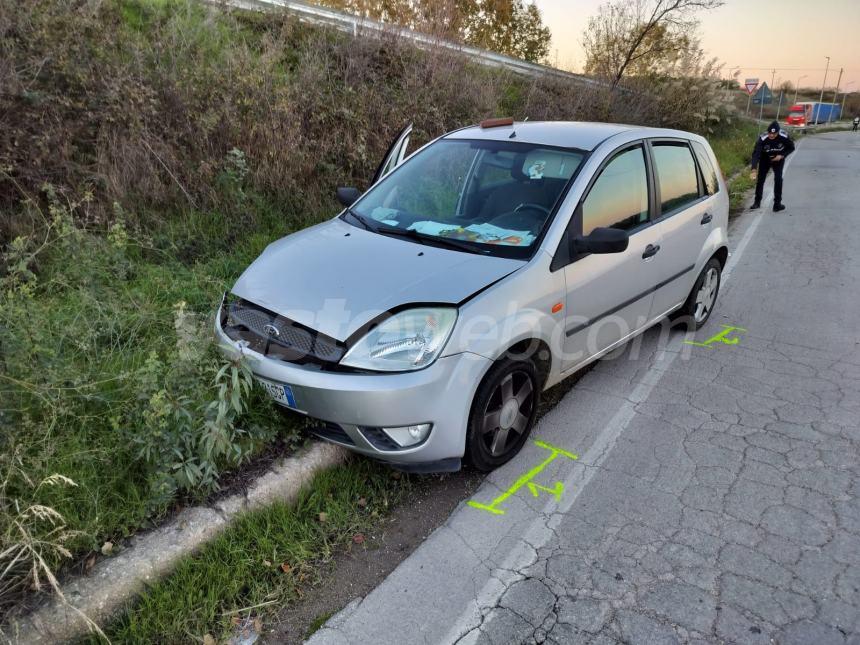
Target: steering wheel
x=532, y=206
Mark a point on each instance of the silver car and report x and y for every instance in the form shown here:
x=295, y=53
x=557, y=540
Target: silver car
x=421, y=324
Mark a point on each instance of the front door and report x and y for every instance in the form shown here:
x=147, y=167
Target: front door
x=609, y=295
x=395, y=155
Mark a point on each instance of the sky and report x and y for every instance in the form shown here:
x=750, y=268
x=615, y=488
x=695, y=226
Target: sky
x=793, y=36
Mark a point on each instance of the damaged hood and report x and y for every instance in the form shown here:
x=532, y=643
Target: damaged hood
x=335, y=277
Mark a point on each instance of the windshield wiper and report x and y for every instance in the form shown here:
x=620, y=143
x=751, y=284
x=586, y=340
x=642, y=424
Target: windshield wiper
x=360, y=219
x=430, y=239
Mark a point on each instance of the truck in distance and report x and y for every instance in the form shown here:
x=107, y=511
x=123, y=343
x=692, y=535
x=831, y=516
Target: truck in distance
x=807, y=113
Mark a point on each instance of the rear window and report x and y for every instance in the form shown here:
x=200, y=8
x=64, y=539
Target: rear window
x=712, y=184
x=676, y=175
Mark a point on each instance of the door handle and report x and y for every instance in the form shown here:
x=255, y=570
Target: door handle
x=706, y=219
x=650, y=251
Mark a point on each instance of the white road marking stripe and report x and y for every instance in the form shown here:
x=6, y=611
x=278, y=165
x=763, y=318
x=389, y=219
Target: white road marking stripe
x=539, y=531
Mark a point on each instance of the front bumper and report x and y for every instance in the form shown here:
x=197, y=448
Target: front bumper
x=440, y=394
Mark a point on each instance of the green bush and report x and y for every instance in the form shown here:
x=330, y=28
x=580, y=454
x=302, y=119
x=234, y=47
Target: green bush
x=107, y=382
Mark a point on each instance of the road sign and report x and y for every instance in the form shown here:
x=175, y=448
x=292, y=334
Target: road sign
x=751, y=84
x=763, y=96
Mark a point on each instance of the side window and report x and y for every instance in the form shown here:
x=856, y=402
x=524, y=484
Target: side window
x=619, y=197
x=712, y=185
x=676, y=174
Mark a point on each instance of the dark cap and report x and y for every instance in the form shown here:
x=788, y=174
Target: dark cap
x=773, y=127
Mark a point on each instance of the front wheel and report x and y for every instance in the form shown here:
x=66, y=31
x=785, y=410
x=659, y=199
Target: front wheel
x=700, y=303
x=503, y=413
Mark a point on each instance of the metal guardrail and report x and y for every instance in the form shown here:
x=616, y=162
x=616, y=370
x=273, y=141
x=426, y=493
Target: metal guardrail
x=357, y=25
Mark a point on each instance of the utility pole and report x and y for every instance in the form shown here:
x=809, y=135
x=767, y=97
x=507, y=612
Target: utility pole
x=779, y=105
x=835, y=94
x=761, y=99
x=796, y=87
x=821, y=98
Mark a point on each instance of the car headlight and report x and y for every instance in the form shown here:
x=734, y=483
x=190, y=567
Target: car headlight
x=409, y=340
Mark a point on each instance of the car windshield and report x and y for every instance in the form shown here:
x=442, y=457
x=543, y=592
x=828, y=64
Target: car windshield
x=797, y=109
x=488, y=196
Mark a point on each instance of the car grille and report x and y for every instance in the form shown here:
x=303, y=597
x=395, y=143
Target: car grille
x=332, y=432
x=278, y=337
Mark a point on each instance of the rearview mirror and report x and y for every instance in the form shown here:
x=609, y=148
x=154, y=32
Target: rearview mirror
x=347, y=195
x=602, y=240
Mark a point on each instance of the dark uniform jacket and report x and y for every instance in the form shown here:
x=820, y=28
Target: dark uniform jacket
x=766, y=149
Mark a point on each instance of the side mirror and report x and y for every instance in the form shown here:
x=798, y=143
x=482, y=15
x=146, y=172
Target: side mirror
x=347, y=195
x=602, y=240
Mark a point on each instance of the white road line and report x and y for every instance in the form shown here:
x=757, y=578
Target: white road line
x=539, y=531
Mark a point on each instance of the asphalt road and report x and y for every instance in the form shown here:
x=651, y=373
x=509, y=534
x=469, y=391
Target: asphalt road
x=716, y=494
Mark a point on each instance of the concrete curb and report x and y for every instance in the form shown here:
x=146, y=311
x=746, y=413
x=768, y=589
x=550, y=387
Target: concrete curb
x=116, y=580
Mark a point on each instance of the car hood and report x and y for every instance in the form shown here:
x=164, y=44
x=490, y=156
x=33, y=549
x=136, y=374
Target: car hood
x=335, y=277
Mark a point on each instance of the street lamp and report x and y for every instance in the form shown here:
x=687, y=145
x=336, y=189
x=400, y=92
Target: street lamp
x=779, y=105
x=821, y=98
x=796, y=87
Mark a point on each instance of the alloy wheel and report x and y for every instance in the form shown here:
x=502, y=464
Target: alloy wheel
x=507, y=414
x=706, y=295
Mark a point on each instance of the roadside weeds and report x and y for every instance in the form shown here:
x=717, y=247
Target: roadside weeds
x=115, y=580
x=267, y=557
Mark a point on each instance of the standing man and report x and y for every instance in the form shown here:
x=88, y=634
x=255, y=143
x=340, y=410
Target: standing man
x=856, y=123
x=771, y=149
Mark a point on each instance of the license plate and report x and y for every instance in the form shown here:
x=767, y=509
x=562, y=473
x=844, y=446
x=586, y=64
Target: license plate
x=281, y=392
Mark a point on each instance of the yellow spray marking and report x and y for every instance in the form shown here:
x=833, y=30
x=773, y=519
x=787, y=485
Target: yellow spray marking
x=722, y=337
x=526, y=480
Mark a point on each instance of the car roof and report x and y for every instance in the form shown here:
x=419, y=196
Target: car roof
x=582, y=135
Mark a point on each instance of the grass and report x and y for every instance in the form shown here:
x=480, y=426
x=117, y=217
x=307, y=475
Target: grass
x=91, y=337
x=739, y=187
x=733, y=146
x=263, y=560
x=317, y=623
x=845, y=126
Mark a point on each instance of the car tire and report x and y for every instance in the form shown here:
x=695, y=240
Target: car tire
x=503, y=413
x=703, y=297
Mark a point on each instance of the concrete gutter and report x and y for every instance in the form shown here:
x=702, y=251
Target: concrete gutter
x=114, y=581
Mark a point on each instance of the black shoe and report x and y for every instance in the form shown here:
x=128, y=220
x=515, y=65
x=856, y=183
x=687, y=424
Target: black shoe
x=778, y=207
x=755, y=205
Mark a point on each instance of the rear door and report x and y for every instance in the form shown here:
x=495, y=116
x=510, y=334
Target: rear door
x=685, y=217
x=609, y=295
x=395, y=155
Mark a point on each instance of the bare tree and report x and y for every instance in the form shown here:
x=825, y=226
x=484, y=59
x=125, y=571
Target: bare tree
x=640, y=36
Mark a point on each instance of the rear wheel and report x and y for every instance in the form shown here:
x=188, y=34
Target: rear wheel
x=503, y=413
x=700, y=303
